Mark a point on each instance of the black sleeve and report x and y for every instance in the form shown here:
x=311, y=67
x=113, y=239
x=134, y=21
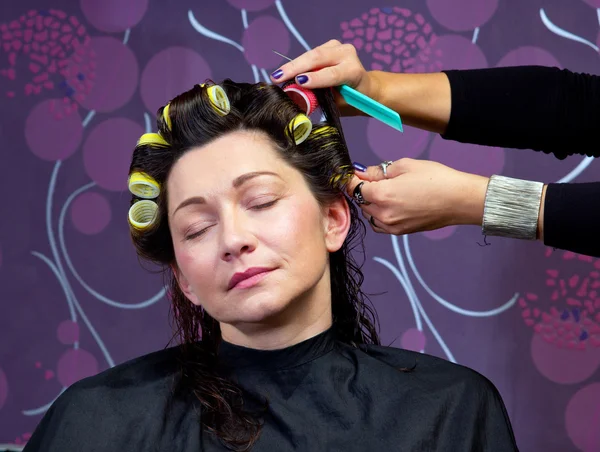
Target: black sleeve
x=526, y=107
x=572, y=217
x=544, y=109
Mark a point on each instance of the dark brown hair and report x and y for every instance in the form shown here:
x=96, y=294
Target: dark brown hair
x=324, y=162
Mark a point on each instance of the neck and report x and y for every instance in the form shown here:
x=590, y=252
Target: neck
x=302, y=319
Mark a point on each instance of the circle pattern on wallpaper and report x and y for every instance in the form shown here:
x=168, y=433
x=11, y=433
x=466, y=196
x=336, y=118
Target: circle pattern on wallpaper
x=528, y=55
x=413, y=339
x=38, y=47
x=562, y=365
x=169, y=73
x=462, y=15
x=75, y=364
x=107, y=152
x=258, y=40
x=582, y=418
x=470, y=158
x=90, y=213
x=3, y=388
x=114, y=15
x=115, y=75
x=390, y=144
x=441, y=233
x=457, y=52
x=67, y=332
x=251, y=5
x=390, y=39
x=26, y=77
x=593, y=3
x=49, y=136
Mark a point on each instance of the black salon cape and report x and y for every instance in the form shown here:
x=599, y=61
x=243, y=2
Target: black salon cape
x=323, y=395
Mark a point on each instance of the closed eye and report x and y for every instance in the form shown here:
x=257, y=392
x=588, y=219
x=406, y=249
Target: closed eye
x=258, y=207
x=264, y=206
x=196, y=234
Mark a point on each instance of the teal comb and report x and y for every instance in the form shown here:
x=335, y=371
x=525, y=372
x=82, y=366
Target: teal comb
x=366, y=104
x=371, y=107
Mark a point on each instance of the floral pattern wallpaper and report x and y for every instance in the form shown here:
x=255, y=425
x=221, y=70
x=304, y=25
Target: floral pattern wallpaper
x=81, y=80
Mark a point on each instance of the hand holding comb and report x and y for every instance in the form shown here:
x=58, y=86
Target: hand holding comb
x=365, y=104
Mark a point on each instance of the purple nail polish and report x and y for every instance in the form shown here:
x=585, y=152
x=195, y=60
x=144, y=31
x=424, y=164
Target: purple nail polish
x=359, y=167
x=277, y=74
x=302, y=79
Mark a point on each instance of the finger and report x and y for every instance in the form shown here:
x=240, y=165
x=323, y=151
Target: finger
x=323, y=78
x=351, y=185
x=376, y=173
x=324, y=56
x=372, y=173
x=368, y=189
x=376, y=225
x=374, y=210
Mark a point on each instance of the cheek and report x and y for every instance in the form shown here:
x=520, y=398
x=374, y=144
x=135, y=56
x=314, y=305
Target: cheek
x=195, y=266
x=297, y=228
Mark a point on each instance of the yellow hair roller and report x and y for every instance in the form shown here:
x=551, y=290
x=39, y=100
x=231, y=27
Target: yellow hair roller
x=301, y=127
x=142, y=214
x=166, y=117
x=152, y=139
x=218, y=99
x=341, y=176
x=143, y=186
x=324, y=131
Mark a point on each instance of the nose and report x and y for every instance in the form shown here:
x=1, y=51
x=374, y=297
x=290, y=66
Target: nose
x=237, y=237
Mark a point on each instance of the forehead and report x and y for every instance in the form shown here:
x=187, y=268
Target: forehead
x=215, y=165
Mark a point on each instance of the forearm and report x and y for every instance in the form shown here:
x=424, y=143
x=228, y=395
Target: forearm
x=566, y=217
x=526, y=107
x=422, y=100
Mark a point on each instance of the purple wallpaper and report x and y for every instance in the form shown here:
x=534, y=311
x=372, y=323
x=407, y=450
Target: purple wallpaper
x=80, y=82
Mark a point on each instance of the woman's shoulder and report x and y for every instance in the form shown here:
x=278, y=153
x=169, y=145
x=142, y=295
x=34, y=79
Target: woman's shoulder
x=133, y=380
x=102, y=407
x=145, y=369
x=100, y=410
x=428, y=370
x=432, y=387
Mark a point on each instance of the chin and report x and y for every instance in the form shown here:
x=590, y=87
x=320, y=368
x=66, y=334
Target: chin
x=257, y=308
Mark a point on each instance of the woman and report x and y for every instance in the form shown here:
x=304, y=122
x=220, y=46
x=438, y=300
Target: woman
x=250, y=221
x=530, y=107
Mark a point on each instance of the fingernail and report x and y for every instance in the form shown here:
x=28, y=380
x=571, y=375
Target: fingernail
x=359, y=167
x=302, y=79
x=277, y=74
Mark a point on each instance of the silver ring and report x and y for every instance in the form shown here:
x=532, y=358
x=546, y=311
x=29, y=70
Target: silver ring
x=384, y=166
x=357, y=194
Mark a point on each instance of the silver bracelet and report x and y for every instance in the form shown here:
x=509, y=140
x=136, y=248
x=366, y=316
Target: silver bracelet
x=512, y=208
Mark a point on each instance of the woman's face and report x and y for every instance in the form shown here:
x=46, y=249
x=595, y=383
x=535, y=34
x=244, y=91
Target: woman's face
x=251, y=241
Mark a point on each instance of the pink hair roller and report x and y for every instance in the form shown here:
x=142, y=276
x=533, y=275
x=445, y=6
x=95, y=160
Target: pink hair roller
x=304, y=98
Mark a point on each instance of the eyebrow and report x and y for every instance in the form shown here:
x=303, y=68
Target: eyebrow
x=237, y=183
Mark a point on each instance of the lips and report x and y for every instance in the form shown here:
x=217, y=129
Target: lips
x=239, y=277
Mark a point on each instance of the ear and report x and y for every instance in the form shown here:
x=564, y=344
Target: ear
x=184, y=285
x=337, y=223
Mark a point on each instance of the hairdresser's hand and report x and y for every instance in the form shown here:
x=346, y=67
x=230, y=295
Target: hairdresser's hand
x=419, y=195
x=331, y=64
